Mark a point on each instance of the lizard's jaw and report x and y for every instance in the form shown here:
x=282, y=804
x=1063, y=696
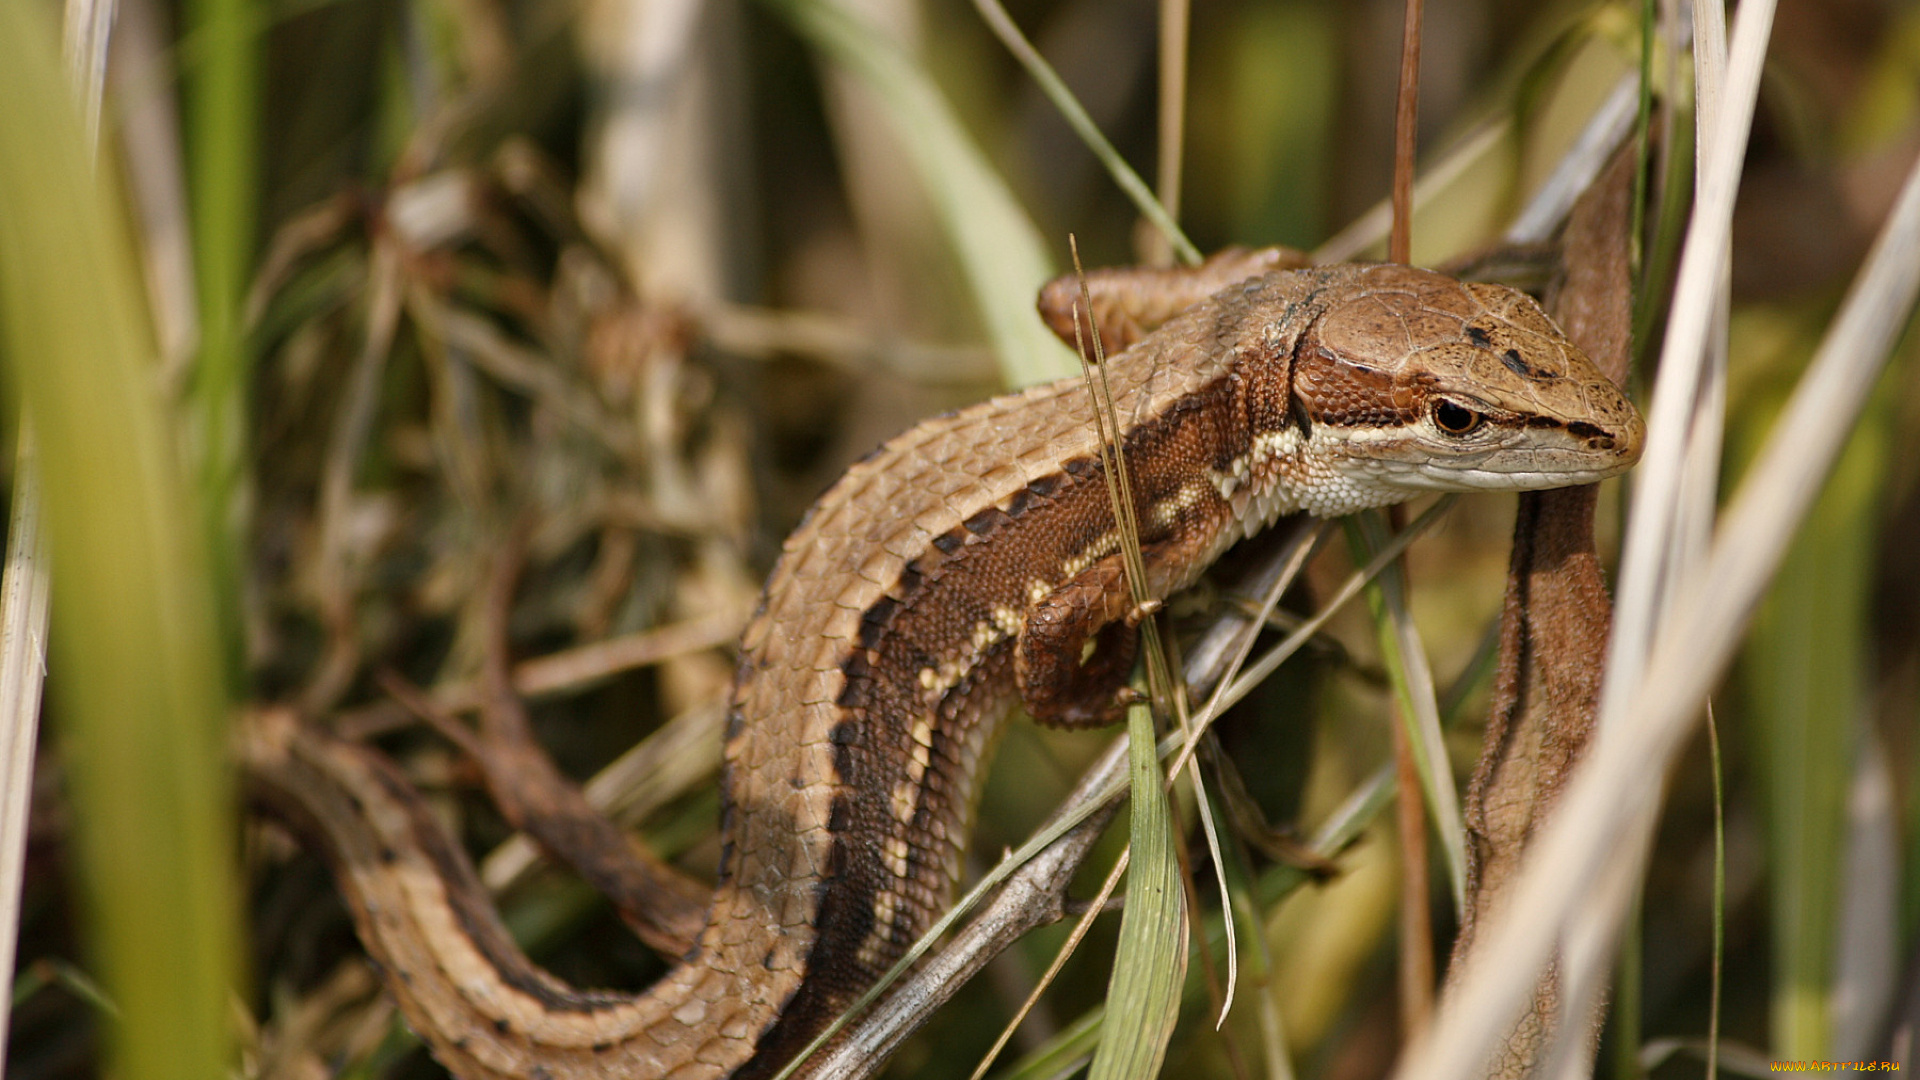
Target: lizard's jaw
x=1335, y=470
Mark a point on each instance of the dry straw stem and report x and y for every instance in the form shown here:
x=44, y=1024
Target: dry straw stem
x=1590, y=845
x=86, y=33
x=1176, y=18
x=1660, y=495
x=1660, y=551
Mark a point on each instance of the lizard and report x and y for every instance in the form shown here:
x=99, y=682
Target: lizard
x=966, y=565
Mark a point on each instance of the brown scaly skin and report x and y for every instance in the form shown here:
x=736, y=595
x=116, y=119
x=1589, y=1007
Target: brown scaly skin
x=963, y=564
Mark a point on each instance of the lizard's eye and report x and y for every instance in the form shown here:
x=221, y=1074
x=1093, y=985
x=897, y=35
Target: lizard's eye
x=1454, y=418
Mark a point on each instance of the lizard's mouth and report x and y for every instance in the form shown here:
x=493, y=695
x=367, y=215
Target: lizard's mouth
x=1469, y=445
x=1549, y=471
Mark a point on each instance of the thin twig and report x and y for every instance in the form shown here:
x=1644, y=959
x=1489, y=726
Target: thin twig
x=1416, y=931
x=334, y=579
x=1406, y=118
x=574, y=669
x=1093, y=909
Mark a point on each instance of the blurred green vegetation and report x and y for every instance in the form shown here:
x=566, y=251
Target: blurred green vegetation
x=141, y=717
x=649, y=275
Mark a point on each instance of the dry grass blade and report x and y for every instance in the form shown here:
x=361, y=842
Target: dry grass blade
x=1660, y=481
x=89, y=29
x=23, y=667
x=1640, y=738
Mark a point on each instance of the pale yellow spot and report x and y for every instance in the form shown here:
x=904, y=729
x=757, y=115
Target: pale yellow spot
x=1092, y=553
x=984, y=637
x=906, y=799
x=1006, y=620
x=937, y=681
x=1038, y=590
x=874, y=949
x=919, y=756
x=1168, y=510
x=897, y=854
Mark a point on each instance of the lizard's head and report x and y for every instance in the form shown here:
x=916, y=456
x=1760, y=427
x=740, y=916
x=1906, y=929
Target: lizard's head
x=1423, y=383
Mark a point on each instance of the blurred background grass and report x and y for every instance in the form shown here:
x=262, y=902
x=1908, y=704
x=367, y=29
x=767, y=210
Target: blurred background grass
x=653, y=273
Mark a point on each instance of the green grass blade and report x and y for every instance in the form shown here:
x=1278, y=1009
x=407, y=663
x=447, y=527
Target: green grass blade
x=1050, y=84
x=1719, y=897
x=1143, y=998
x=1073, y=1045
x=1412, y=680
x=133, y=650
x=222, y=114
x=1063, y=1055
x=1244, y=907
x=1000, y=253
